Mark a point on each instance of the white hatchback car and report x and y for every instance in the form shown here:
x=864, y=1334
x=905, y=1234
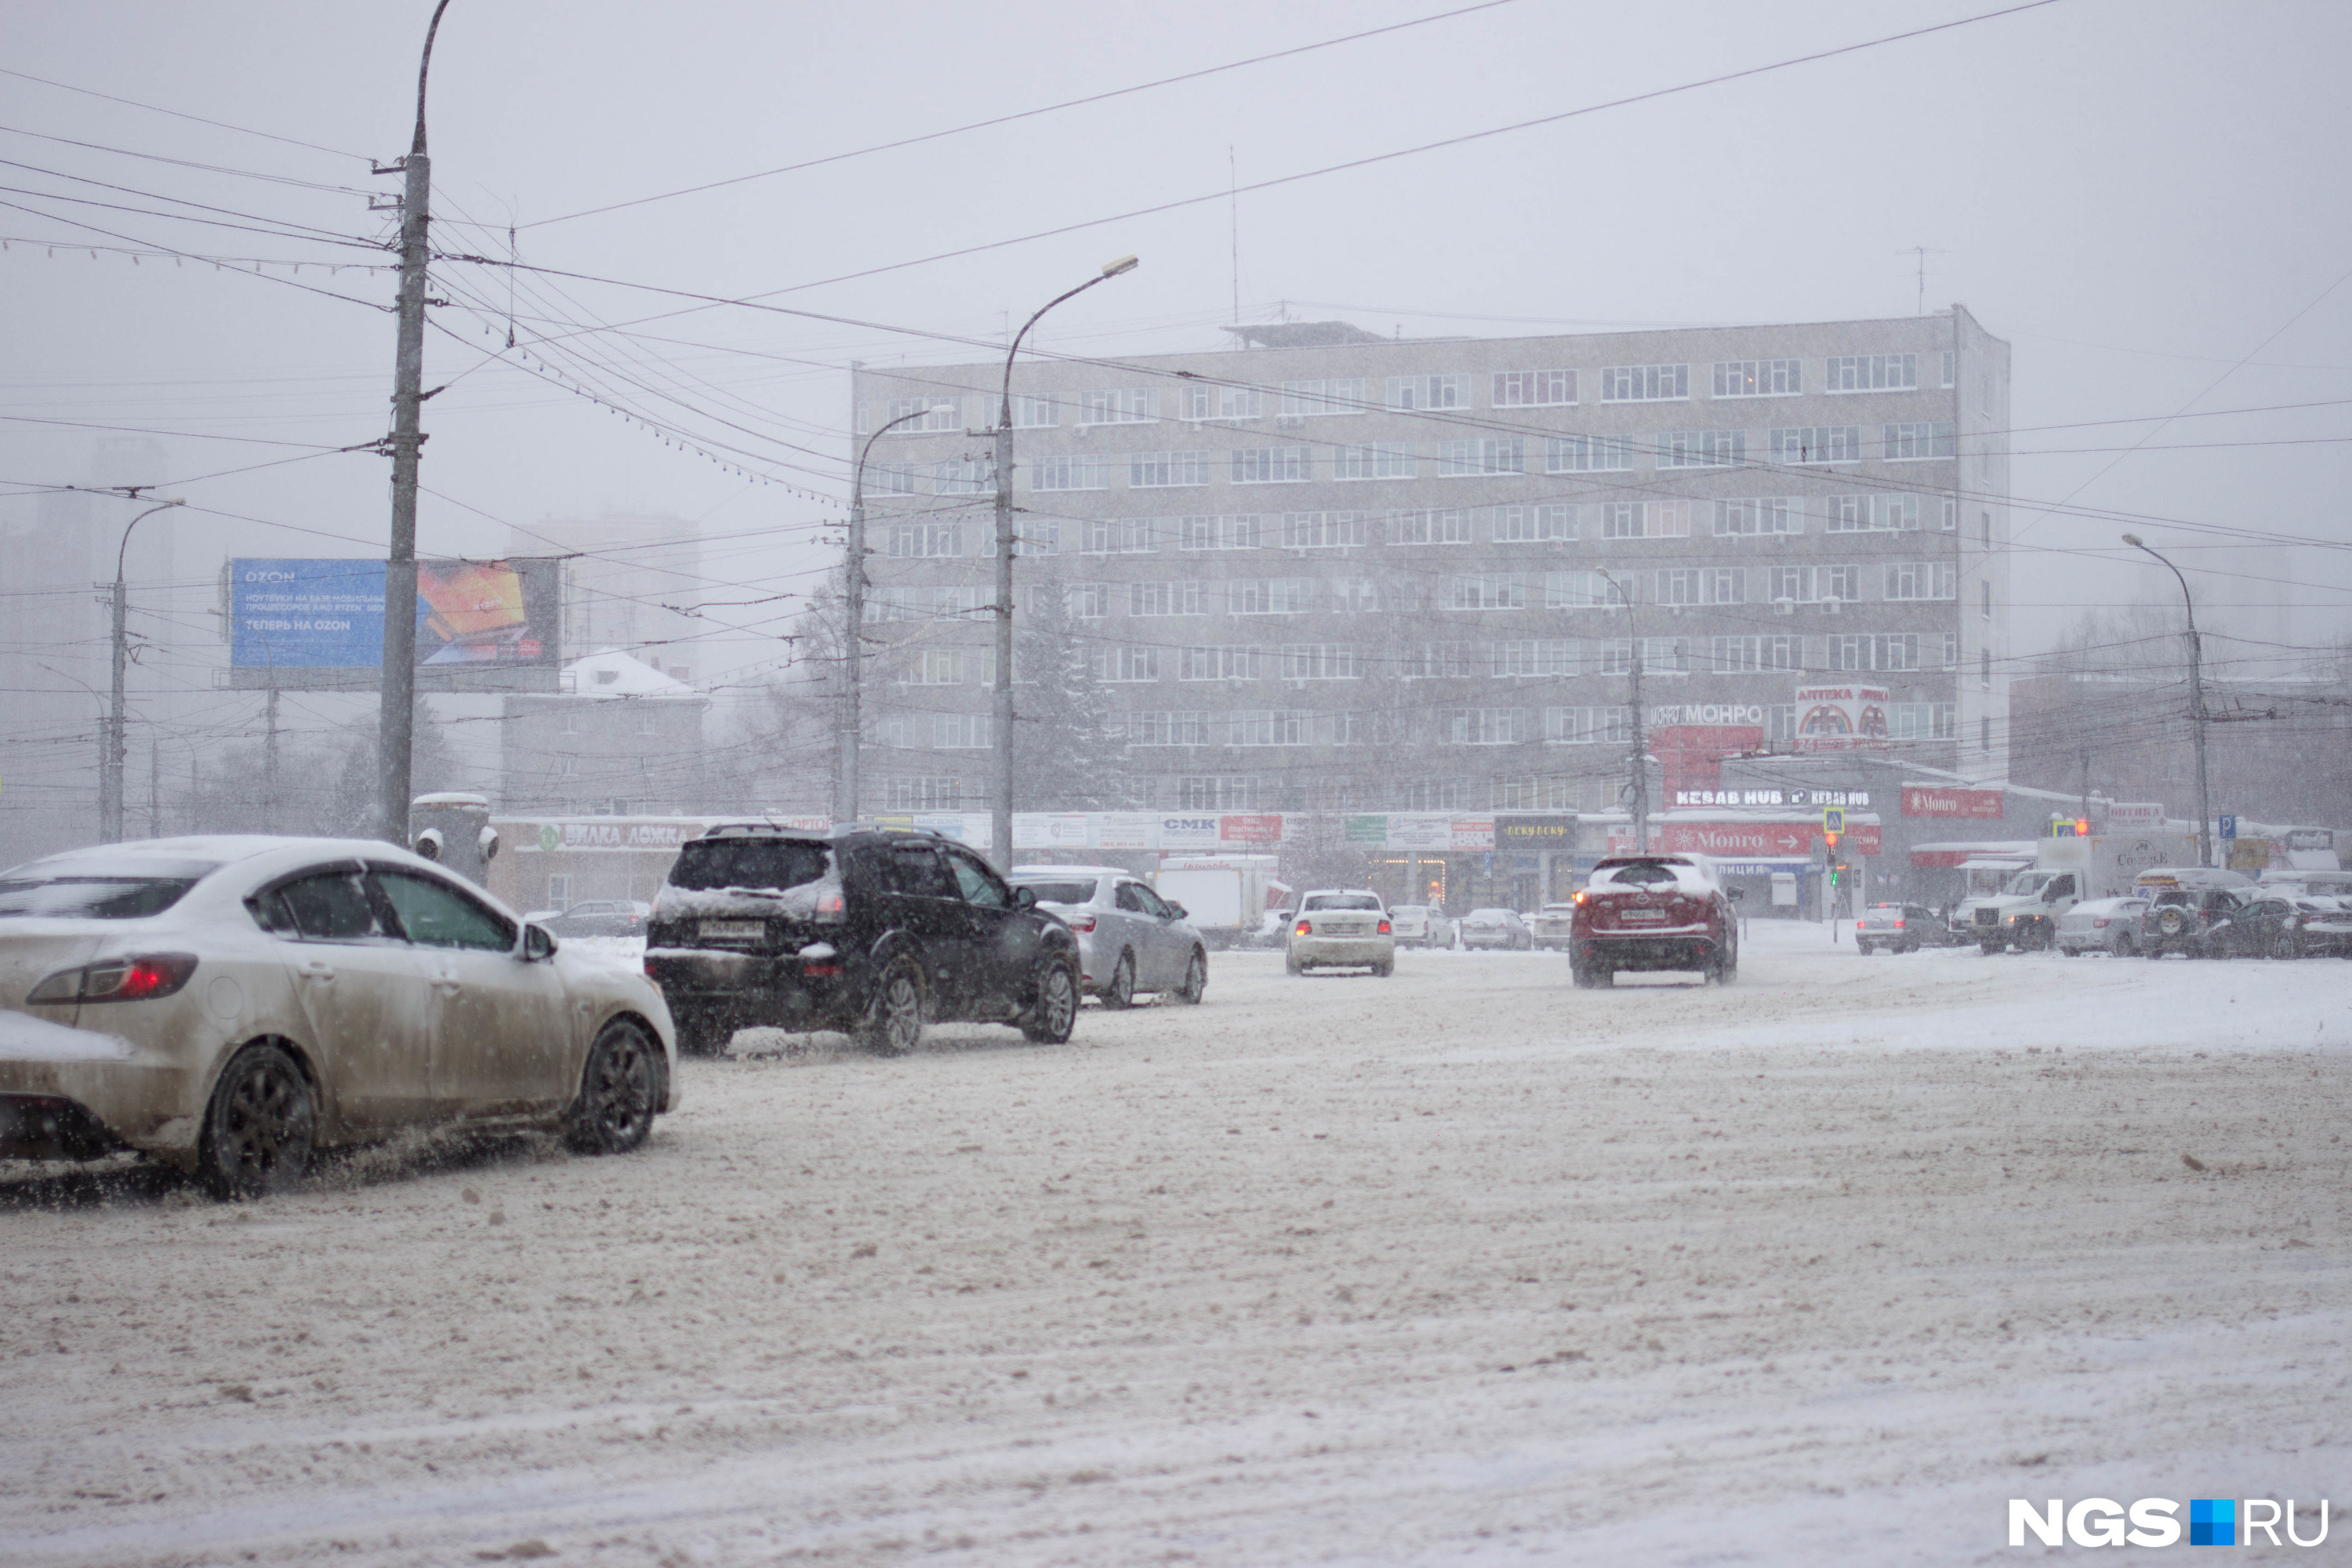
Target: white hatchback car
x=1344, y=928
x=228, y=1004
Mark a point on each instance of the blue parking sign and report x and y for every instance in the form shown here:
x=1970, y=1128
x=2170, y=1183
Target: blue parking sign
x=2229, y=825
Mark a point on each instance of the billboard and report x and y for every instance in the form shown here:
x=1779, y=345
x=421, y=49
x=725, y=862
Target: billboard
x=1926, y=800
x=319, y=625
x=1841, y=718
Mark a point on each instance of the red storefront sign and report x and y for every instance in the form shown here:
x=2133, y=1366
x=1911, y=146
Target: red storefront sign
x=1918, y=800
x=1266, y=829
x=1691, y=756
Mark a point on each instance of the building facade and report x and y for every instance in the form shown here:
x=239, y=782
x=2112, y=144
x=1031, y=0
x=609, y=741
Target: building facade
x=1329, y=569
x=618, y=738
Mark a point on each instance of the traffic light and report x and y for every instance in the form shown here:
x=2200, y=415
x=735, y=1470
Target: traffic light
x=1832, y=840
x=2082, y=828
x=1835, y=868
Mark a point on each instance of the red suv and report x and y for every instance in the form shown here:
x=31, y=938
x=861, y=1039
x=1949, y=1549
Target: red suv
x=1653, y=912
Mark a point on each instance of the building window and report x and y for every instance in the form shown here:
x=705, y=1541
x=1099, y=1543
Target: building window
x=1482, y=726
x=1984, y=668
x=1588, y=726
x=936, y=414
x=1816, y=585
x=1037, y=536
x=1984, y=523
x=1230, y=661
x=1485, y=591
x=1033, y=411
x=1070, y=471
x=1127, y=662
x=1268, y=727
x=1417, y=392
x=1588, y=454
x=1319, y=661
x=1922, y=580
x=1581, y=591
x=559, y=891
x=1120, y=535
x=1175, y=728
x=1817, y=444
x=569, y=722
x=1448, y=525
x=1237, y=531
x=1533, y=657
x=649, y=723
x=1951, y=514
x=924, y=794
x=1645, y=384
x=1352, y=596
x=1910, y=442
x=1122, y=405
x=1724, y=584
x=1875, y=651
x=1270, y=597
x=1459, y=459
x=1534, y=389
x=1951, y=651
x=1085, y=601
x=1216, y=792
x=1873, y=513
x=1326, y=530
x=1163, y=598
x=1305, y=399
x=1702, y=448
x=1444, y=662
x=1155, y=470
x=964, y=476
x=1646, y=520
x=916, y=541
x=1984, y=599
x=1871, y=373
x=1271, y=465
x=1376, y=462
x=1914, y=721
x=1759, y=378
x=1781, y=721
x=1984, y=733
x=1429, y=795
x=960, y=731
x=1534, y=524
x=1753, y=655
x=1678, y=586
x=891, y=478
x=1951, y=366
x=1754, y=517
x=935, y=667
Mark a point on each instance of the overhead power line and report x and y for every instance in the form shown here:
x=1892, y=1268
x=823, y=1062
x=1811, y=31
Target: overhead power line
x=1021, y=114
x=177, y=114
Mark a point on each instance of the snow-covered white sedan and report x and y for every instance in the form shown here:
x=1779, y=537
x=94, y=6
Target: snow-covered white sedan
x=1343, y=928
x=228, y=1005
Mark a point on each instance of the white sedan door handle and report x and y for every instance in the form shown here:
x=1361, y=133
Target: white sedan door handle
x=318, y=969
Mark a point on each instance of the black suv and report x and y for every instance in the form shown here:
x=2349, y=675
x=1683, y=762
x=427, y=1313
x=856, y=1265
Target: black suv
x=863, y=930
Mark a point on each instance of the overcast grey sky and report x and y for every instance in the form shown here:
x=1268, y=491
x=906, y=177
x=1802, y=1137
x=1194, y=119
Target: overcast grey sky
x=2139, y=196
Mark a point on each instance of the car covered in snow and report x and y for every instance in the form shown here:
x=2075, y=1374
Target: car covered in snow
x=230, y=1004
x=868, y=931
x=1654, y=912
x=2102, y=925
x=1340, y=928
x=1420, y=925
x=1554, y=926
x=1129, y=938
x=2184, y=903
x=1895, y=928
x=2272, y=924
x=1497, y=928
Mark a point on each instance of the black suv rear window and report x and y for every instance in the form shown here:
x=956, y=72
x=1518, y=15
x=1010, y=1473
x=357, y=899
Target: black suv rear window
x=713, y=863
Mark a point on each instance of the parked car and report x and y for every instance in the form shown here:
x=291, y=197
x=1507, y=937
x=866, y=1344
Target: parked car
x=602, y=917
x=2178, y=919
x=1129, y=938
x=1422, y=925
x=231, y=1005
x=1497, y=928
x=2274, y=925
x=1898, y=928
x=2327, y=925
x=1555, y=926
x=1340, y=928
x=1654, y=912
x=868, y=931
x=2102, y=925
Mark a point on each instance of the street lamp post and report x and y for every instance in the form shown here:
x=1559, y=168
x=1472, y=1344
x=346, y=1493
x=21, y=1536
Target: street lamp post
x=1640, y=784
x=109, y=771
x=853, y=639
x=2196, y=706
x=1000, y=822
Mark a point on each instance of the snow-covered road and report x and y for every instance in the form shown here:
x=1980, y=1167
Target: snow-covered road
x=1461, y=1264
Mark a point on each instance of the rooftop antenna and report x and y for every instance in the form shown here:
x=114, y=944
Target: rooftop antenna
x=1922, y=252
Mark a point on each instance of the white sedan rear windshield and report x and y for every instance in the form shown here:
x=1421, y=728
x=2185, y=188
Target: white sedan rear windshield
x=1343, y=901
x=1075, y=890
x=112, y=895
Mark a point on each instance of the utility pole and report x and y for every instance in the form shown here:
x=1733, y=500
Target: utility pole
x=1639, y=797
x=2196, y=707
x=396, y=726
x=269, y=756
x=154, y=787
x=999, y=821
x=852, y=726
x=110, y=762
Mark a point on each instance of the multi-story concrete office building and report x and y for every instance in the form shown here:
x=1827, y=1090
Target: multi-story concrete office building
x=1327, y=569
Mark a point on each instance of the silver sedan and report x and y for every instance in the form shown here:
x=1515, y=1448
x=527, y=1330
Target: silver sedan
x=1129, y=938
x=230, y=1004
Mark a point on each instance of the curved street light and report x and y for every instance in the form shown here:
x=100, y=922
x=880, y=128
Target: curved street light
x=111, y=759
x=1000, y=822
x=854, y=641
x=2196, y=705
